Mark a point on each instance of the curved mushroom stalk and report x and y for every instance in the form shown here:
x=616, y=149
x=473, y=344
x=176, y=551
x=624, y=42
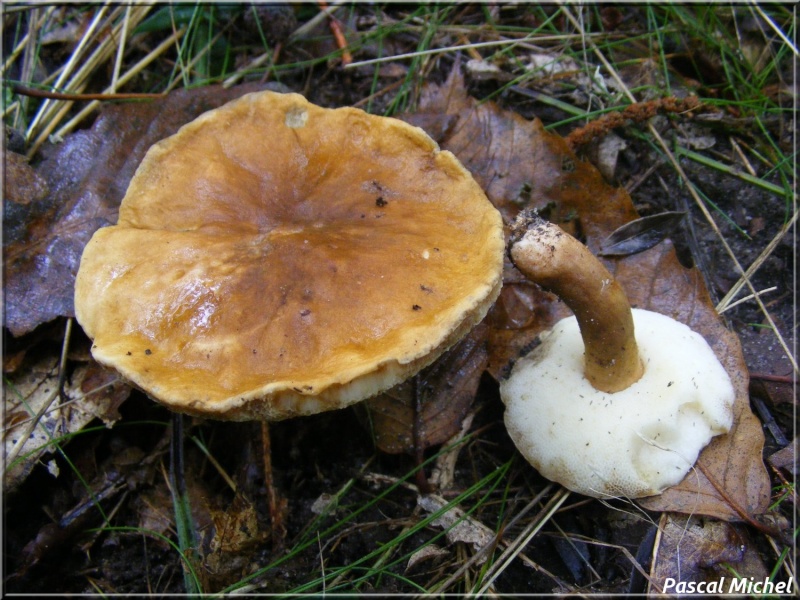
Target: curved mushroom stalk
x=593, y=407
x=561, y=264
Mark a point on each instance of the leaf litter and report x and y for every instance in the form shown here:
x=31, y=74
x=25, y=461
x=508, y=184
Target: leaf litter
x=507, y=154
x=519, y=164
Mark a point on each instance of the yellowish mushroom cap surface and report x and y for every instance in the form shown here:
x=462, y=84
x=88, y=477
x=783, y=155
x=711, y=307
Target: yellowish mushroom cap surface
x=274, y=258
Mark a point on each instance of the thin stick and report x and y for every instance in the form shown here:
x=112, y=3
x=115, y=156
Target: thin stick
x=379, y=93
x=745, y=299
x=302, y=30
x=338, y=35
x=80, y=79
x=24, y=41
x=273, y=499
x=34, y=93
x=522, y=42
x=725, y=303
x=195, y=59
x=56, y=393
x=526, y=536
x=498, y=539
x=775, y=28
x=374, y=61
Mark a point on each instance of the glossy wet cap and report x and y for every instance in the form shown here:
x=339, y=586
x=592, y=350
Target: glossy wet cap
x=274, y=258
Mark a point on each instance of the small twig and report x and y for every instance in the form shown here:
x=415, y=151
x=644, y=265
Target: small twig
x=35, y=23
x=123, y=38
x=691, y=188
x=423, y=484
x=515, y=547
x=379, y=93
x=34, y=93
x=184, y=523
x=74, y=59
x=746, y=299
x=521, y=42
x=768, y=420
x=274, y=500
x=756, y=264
x=772, y=378
x=338, y=34
x=130, y=74
x=499, y=538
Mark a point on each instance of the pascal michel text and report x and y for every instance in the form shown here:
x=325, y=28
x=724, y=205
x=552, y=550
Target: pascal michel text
x=732, y=585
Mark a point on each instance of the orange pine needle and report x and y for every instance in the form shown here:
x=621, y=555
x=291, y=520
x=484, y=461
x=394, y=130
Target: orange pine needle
x=338, y=35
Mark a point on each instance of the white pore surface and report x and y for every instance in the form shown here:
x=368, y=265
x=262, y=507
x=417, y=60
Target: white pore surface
x=632, y=443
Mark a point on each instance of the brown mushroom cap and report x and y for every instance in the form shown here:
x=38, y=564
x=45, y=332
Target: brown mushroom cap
x=274, y=258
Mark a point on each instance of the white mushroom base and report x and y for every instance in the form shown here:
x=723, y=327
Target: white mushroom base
x=632, y=443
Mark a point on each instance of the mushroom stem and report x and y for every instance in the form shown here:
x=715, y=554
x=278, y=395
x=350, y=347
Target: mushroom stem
x=559, y=263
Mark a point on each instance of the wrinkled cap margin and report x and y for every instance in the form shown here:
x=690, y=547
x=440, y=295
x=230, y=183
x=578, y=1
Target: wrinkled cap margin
x=274, y=258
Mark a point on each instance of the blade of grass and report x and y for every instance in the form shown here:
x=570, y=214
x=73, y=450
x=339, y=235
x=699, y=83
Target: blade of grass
x=56, y=393
x=455, y=577
x=55, y=112
x=184, y=523
x=692, y=191
x=725, y=303
x=74, y=59
x=309, y=539
x=187, y=564
x=490, y=481
x=31, y=34
x=510, y=553
x=123, y=38
x=778, y=31
x=262, y=59
x=130, y=74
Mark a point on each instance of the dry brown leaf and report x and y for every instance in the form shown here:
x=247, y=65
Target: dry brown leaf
x=96, y=394
x=655, y=280
x=520, y=164
x=445, y=390
x=21, y=184
x=429, y=552
x=236, y=535
x=691, y=550
x=458, y=526
x=85, y=179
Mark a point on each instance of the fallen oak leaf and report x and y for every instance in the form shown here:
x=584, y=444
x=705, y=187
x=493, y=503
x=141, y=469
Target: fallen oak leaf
x=505, y=151
x=445, y=391
x=656, y=280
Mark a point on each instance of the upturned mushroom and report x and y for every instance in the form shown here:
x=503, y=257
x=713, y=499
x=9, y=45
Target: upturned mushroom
x=274, y=258
x=614, y=401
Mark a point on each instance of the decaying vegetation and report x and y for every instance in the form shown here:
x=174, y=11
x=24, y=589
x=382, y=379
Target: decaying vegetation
x=661, y=136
